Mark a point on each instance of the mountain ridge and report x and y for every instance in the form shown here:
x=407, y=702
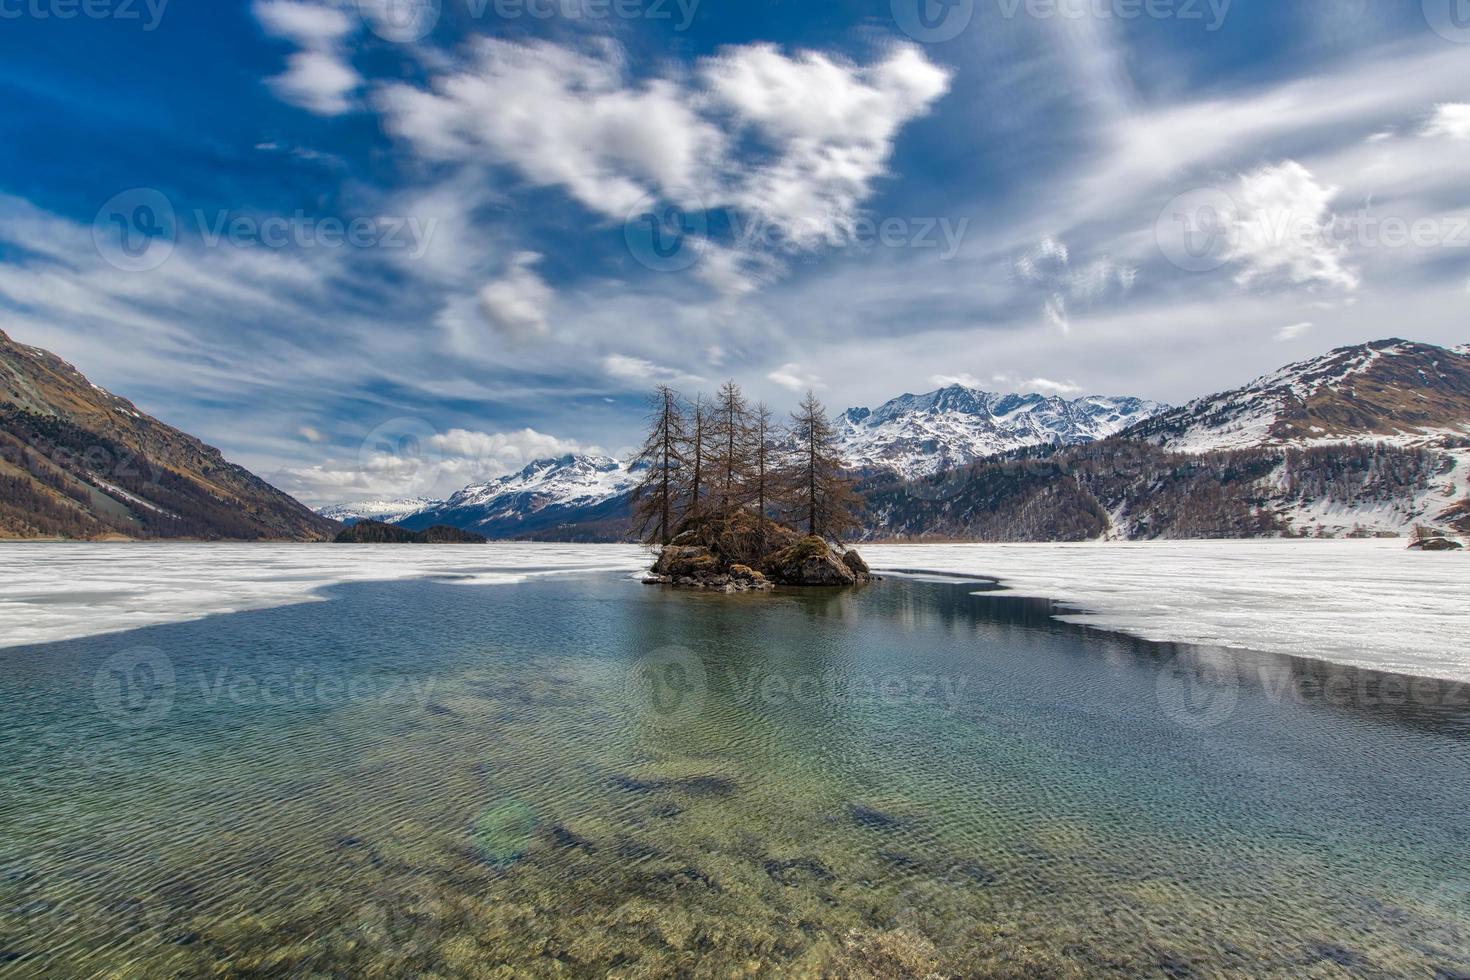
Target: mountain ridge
x=78, y=461
x=1392, y=390
x=920, y=435
x=1361, y=439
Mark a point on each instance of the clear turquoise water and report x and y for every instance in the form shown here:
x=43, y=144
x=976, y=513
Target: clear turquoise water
x=583, y=776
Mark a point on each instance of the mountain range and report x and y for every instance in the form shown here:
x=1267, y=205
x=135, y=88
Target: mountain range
x=547, y=496
x=1364, y=440
x=78, y=461
x=1361, y=440
x=1369, y=439
x=920, y=435
x=586, y=497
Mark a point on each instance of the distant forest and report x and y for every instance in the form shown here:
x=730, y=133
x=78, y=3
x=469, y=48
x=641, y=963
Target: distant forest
x=1135, y=490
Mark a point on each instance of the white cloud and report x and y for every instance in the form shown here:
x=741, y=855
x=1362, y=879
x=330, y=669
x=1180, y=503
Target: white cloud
x=502, y=451
x=1451, y=119
x=1282, y=229
x=1044, y=386
x=964, y=380
x=830, y=123
x=447, y=462
x=307, y=24
x=1293, y=331
x=1048, y=267
x=310, y=434
x=627, y=368
x=793, y=144
x=516, y=305
x=1045, y=263
x=1055, y=311
x=318, y=78
x=317, y=81
x=792, y=378
x=1048, y=387
x=561, y=118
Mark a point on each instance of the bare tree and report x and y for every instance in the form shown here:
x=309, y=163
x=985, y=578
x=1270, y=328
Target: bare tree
x=761, y=432
x=655, y=499
x=821, y=493
x=730, y=449
x=697, y=450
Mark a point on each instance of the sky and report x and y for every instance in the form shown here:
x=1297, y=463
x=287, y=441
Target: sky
x=389, y=248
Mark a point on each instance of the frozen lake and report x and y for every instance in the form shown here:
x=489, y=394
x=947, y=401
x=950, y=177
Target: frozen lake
x=1363, y=603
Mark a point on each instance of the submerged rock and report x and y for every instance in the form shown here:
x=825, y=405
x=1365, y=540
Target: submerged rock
x=872, y=818
x=503, y=833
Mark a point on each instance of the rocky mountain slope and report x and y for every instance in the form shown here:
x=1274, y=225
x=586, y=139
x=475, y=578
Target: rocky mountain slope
x=546, y=497
x=919, y=435
x=77, y=461
x=1393, y=391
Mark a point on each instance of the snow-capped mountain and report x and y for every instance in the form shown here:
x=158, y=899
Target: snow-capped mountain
x=1393, y=391
x=547, y=493
x=387, y=511
x=1396, y=393
x=919, y=435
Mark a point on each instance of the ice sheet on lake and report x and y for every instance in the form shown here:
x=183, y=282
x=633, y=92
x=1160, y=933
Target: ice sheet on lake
x=1369, y=603
x=64, y=591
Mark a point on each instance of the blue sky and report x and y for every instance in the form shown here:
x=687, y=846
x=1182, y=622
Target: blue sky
x=306, y=230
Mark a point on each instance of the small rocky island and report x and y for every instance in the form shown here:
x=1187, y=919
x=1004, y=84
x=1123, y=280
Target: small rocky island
x=376, y=532
x=738, y=554
x=722, y=486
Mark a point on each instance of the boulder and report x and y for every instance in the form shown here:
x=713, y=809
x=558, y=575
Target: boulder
x=855, y=564
x=1435, y=544
x=809, y=562
x=686, y=562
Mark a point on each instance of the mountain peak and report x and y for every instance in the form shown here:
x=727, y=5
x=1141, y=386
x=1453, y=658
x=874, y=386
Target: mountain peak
x=917, y=435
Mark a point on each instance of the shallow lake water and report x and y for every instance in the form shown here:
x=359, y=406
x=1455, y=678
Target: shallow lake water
x=582, y=776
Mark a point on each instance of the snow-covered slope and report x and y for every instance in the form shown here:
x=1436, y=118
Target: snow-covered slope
x=1393, y=391
x=387, y=511
x=918, y=435
x=575, y=488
